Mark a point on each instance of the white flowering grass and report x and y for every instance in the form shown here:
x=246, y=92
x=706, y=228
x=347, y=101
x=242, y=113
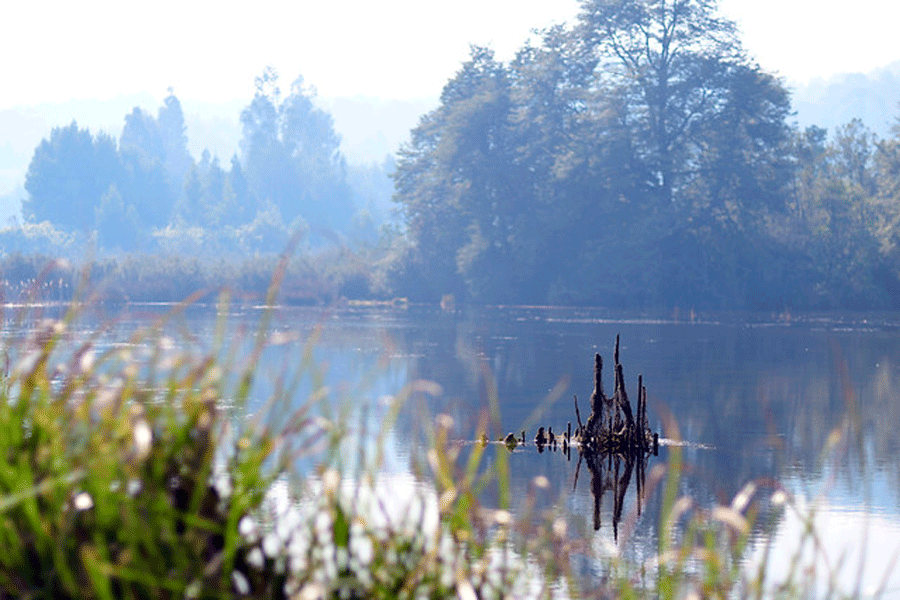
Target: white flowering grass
x=117, y=480
x=124, y=475
x=372, y=537
x=128, y=474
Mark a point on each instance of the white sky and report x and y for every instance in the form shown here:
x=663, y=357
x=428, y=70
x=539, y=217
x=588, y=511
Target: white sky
x=58, y=50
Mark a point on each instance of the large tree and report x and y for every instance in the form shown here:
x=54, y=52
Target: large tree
x=68, y=175
x=457, y=182
x=291, y=157
x=580, y=232
x=668, y=59
x=709, y=129
x=615, y=162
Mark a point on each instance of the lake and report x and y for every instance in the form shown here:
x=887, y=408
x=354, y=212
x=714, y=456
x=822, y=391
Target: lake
x=803, y=403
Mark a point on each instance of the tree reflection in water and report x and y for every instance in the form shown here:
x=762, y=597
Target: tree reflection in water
x=613, y=472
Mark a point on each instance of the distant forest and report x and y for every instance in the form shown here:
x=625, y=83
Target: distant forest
x=635, y=158
x=145, y=193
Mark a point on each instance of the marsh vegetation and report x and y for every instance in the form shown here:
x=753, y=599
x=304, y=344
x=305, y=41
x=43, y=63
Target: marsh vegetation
x=220, y=450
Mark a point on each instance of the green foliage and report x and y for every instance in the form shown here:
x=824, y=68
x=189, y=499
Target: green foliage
x=209, y=199
x=68, y=175
x=636, y=158
x=117, y=224
x=135, y=472
x=176, y=158
x=291, y=176
x=843, y=204
x=125, y=476
x=291, y=157
x=154, y=152
x=668, y=62
x=590, y=168
x=119, y=479
x=82, y=183
x=640, y=158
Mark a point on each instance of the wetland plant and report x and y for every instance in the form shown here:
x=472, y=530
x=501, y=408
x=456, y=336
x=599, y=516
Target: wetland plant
x=134, y=472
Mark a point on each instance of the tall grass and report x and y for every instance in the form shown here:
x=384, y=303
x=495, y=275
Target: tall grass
x=313, y=278
x=135, y=472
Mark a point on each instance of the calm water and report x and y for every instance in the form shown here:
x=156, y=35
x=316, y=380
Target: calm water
x=753, y=398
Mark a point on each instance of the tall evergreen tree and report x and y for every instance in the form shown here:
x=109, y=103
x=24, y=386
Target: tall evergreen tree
x=145, y=186
x=173, y=131
x=290, y=155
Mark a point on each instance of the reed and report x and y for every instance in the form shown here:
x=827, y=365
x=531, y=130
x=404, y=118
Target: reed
x=134, y=472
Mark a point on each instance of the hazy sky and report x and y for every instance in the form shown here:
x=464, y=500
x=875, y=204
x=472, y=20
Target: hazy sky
x=57, y=50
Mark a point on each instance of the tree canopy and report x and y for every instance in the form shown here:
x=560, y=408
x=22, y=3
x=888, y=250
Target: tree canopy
x=639, y=146
x=637, y=157
x=291, y=155
x=146, y=192
x=68, y=175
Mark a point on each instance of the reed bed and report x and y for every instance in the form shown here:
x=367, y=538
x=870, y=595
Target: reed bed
x=135, y=472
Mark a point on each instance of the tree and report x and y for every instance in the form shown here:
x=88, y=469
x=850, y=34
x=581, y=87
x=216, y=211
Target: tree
x=264, y=160
x=887, y=177
x=668, y=59
x=154, y=151
x=709, y=132
x=319, y=168
x=67, y=177
x=189, y=209
x=173, y=133
x=636, y=155
x=855, y=146
x=217, y=199
x=456, y=183
x=145, y=186
x=435, y=228
x=142, y=138
x=739, y=176
x=117, y=223
x=840, y=216
x=577, y=238
x=244, y=202
x=810, y=150
x=290, y=155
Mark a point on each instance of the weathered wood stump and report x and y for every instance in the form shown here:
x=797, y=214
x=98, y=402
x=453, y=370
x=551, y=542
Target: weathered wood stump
x=613, y=427
x=615, y=442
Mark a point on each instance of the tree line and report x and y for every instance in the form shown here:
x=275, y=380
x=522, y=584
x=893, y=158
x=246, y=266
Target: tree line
x=640, y=158
x=145, y=193
x=637, y=157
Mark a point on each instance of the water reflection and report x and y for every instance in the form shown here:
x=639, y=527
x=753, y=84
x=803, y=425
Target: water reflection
x=613, y=472
x=809, y=403
x=800, y=403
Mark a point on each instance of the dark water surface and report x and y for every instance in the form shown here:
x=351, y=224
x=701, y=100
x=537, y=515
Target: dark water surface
x=808, y=403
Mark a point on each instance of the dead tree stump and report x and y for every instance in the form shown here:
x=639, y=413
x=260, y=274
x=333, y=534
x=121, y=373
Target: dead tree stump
x=622, y=430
